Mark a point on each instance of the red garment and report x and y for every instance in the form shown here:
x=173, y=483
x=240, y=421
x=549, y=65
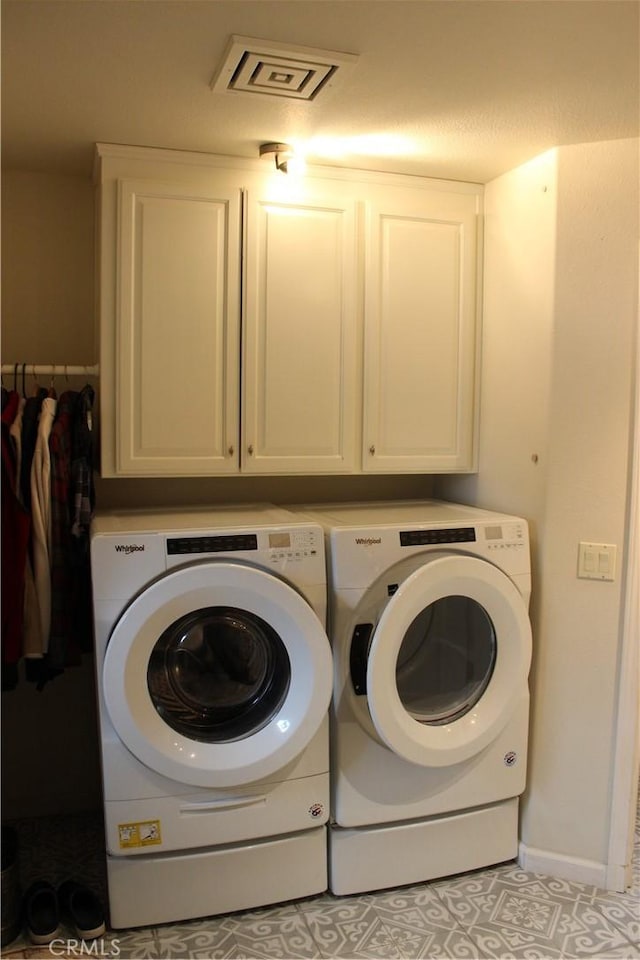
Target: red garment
x=15, y=539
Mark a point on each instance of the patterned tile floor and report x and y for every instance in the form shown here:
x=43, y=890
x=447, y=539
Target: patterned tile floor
x=501, y=912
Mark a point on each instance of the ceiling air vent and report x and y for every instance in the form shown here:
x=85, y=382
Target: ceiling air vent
x=279, y=69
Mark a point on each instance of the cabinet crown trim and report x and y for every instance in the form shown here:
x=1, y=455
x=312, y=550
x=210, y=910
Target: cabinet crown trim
x=115, y=151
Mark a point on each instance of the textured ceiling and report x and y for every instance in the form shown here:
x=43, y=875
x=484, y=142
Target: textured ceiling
x=461, y=89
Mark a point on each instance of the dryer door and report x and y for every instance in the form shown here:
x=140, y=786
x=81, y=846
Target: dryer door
x=217, y=674
x=448, y=660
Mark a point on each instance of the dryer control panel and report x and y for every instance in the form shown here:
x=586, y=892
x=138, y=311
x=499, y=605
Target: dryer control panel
x=511, y=535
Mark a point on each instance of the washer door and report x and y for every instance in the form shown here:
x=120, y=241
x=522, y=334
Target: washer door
x=448, y=660
x=218, y=674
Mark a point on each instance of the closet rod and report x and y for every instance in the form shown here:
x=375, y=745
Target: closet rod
x=51, y=369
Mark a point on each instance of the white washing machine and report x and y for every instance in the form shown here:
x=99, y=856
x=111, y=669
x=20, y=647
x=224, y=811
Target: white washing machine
x=214, y=679
x=431, y=639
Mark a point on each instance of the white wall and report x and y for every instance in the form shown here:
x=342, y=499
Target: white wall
x=47, y=269
x=563, y=264
x=589, y=457
x=517, y=344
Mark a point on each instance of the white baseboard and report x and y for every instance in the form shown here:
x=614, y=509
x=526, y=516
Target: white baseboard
x=562, y=866
x=619, y=878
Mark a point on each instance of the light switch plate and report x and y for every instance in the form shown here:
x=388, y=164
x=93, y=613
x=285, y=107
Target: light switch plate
x=597, y=561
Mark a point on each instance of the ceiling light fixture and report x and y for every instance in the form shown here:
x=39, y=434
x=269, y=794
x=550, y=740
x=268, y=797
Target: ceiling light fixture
x=283, y=154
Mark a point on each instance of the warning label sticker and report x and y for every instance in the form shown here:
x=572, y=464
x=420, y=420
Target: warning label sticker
x=143, y=834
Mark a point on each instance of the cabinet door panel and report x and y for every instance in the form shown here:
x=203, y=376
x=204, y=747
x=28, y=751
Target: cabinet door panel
x=300, y=332
x=420, y=323
x=177, y=331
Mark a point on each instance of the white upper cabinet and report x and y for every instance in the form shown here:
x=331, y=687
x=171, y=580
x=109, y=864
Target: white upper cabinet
x=300, y=370
x=420, y=329
x=177, y=332
x=169, y=308
x=251, y=323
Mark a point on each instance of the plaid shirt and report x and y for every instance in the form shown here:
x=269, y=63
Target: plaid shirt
x=63, y=578
x=81, y=467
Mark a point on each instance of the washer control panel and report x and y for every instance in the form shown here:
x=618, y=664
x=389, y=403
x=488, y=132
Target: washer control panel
x=278, y=545
x=214, y=544
x=294, y=544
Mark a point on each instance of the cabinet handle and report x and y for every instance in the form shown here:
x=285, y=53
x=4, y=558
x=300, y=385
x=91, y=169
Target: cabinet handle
x=372, y=449
x=230, y=451
x=250, y=449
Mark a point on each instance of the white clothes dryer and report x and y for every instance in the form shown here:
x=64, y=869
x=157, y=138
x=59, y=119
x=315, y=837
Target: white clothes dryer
x=428, y=617
x=214, y=679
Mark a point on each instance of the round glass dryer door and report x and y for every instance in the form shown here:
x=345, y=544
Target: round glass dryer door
x=448, y=660
x=218, y=674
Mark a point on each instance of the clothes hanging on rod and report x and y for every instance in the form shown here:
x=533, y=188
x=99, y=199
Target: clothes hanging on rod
x=41, y=521
x=15, y=432
x=64, y=562
x=47, y=506
x=30, y=420
x=16, y=525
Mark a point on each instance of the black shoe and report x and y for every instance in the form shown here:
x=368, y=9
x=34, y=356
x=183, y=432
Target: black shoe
x=10, y=902
x=41, y=912
x=83, y=909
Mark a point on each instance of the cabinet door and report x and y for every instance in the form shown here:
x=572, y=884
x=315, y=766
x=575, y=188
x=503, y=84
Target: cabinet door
x=177, y=328
x=420, y=331
x=301, y=376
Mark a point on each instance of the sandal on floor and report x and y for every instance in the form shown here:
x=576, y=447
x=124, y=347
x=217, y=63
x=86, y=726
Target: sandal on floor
x=83, y=908
x=41, y=912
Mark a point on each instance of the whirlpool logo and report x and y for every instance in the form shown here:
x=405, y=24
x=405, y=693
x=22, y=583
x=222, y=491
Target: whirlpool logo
x=368, y=541
x=128, y=548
